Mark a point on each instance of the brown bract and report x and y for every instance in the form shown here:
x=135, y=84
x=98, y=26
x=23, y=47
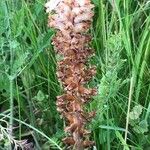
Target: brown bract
x=72, y=19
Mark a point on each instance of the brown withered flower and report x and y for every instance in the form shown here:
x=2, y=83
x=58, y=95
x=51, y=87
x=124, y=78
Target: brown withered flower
x=72, y=19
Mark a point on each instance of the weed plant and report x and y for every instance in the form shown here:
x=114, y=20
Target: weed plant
x=29, y=86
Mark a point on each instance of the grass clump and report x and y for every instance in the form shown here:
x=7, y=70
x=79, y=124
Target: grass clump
x=29, y=86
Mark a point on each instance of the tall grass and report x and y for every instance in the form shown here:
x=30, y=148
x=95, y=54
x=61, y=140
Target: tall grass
x=28, y=83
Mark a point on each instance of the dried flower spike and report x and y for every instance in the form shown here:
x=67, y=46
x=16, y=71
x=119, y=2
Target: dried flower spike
x=72, y=19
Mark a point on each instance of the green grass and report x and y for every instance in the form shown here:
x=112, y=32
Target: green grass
x=28, y=83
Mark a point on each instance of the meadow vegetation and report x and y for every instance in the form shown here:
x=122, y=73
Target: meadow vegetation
x=29, y=86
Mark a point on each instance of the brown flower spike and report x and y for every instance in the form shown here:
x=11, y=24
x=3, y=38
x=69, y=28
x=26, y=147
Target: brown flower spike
x=72, y=19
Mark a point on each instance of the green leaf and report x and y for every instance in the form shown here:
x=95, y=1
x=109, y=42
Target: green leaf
x=4, y=20
x=40, y=96
x=119, y=136
x=142, y=127
x=19, y=62
x=136, y=112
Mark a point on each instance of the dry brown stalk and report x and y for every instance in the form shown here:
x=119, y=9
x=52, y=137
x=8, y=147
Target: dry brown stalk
x=72, y=19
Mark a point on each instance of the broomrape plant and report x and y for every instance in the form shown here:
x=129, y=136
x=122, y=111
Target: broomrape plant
x=72, y=19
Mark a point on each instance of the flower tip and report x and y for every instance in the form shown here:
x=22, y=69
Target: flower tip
x=51, y=5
